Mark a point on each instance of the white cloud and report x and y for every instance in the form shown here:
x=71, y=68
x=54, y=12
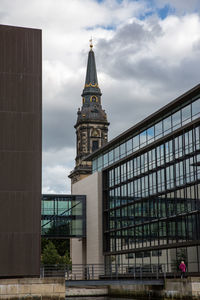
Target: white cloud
x=57, y=165
x=150, y=63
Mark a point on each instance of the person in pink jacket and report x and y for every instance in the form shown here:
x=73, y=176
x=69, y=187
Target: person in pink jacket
x=182, y=267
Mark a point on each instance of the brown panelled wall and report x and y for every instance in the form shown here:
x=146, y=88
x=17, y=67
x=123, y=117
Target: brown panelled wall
x=20, y=150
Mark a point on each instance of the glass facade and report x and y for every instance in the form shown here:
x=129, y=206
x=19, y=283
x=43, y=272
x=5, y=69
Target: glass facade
x=173, y=120
x=151, y=197
x=63, y=216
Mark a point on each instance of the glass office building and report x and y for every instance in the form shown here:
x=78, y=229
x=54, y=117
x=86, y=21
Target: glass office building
x=63, y=216
x=151, y=190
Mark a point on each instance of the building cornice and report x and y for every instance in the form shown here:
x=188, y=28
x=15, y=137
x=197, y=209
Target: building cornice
x=181, y=100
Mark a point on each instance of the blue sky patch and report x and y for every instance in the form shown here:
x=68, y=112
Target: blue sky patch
x=108, y=27
x=165, y=11
x=162, y=13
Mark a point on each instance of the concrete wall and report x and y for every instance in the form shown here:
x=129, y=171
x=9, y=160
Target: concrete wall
x=32, y=288
x=172, y=289
x=90, y=251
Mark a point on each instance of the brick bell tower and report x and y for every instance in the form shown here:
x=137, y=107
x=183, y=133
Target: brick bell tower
x=92, y=124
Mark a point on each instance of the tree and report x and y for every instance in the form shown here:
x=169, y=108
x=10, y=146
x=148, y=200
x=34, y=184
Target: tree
x=62, y=245
x=65, y=259
x=50, y=255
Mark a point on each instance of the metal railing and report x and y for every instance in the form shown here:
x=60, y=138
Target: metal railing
x=116, y=271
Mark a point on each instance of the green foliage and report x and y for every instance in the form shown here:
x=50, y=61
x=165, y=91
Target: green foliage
x=52, y=255
x=62, y=246
x=65, y=259
x=44, y=242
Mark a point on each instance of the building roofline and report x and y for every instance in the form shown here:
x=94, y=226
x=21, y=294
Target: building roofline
x=148, y=120
x=19, y=27
x=62, y=195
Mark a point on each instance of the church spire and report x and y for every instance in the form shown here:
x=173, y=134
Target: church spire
x=92, y=124
x=91, y=82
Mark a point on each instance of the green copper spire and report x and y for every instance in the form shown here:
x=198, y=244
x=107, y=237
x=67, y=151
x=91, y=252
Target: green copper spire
x=91, y=110
x=91, y=82
x=91, y=75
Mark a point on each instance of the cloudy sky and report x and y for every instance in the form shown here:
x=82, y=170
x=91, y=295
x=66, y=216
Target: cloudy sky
x=147, y=53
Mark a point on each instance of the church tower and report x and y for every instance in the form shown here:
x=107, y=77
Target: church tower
x=92, y=125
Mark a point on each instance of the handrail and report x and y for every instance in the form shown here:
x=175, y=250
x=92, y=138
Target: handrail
x=118, y=271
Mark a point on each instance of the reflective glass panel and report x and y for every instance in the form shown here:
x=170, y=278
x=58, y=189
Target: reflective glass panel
x=186, y=114
x=111, y=156
x=105, y=159
x=143, y=138
x=158, y=130
x=150, y=133
x=129, y=146
x=167, y=125
x=122, y=150
x=136, y=142
x=196, y=109
x=116, y=152
x=176, y=119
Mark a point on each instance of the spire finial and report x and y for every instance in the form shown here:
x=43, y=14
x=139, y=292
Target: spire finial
x=91, y=45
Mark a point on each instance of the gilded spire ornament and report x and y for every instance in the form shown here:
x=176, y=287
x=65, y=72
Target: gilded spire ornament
x=91, y=44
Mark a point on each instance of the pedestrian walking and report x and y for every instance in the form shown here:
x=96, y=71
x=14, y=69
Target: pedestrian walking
x=182, y=267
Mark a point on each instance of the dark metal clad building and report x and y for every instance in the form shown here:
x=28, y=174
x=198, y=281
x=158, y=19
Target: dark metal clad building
x=151, y=190
x=20, y=151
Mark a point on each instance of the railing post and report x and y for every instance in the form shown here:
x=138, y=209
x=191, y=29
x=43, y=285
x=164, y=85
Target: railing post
x=116, y=271
x=140, y=271
x=42, y=272
x=88, y=272
x=67, y=272
x=164, y=272
x=85, y=272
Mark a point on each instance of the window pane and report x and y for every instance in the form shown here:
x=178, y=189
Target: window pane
x=158, y=130
x=122, y=150
x=129, y=146
x=116, y=152
x=167, y=125
x=105, y=159
x=95, y=145
x=150, y=133
x=110, y=156
x=99, y=162
x=176, y=119
x=186, y=114
x=143, y=138
x=196, y=109
x=136, y=142
x=94, y=165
